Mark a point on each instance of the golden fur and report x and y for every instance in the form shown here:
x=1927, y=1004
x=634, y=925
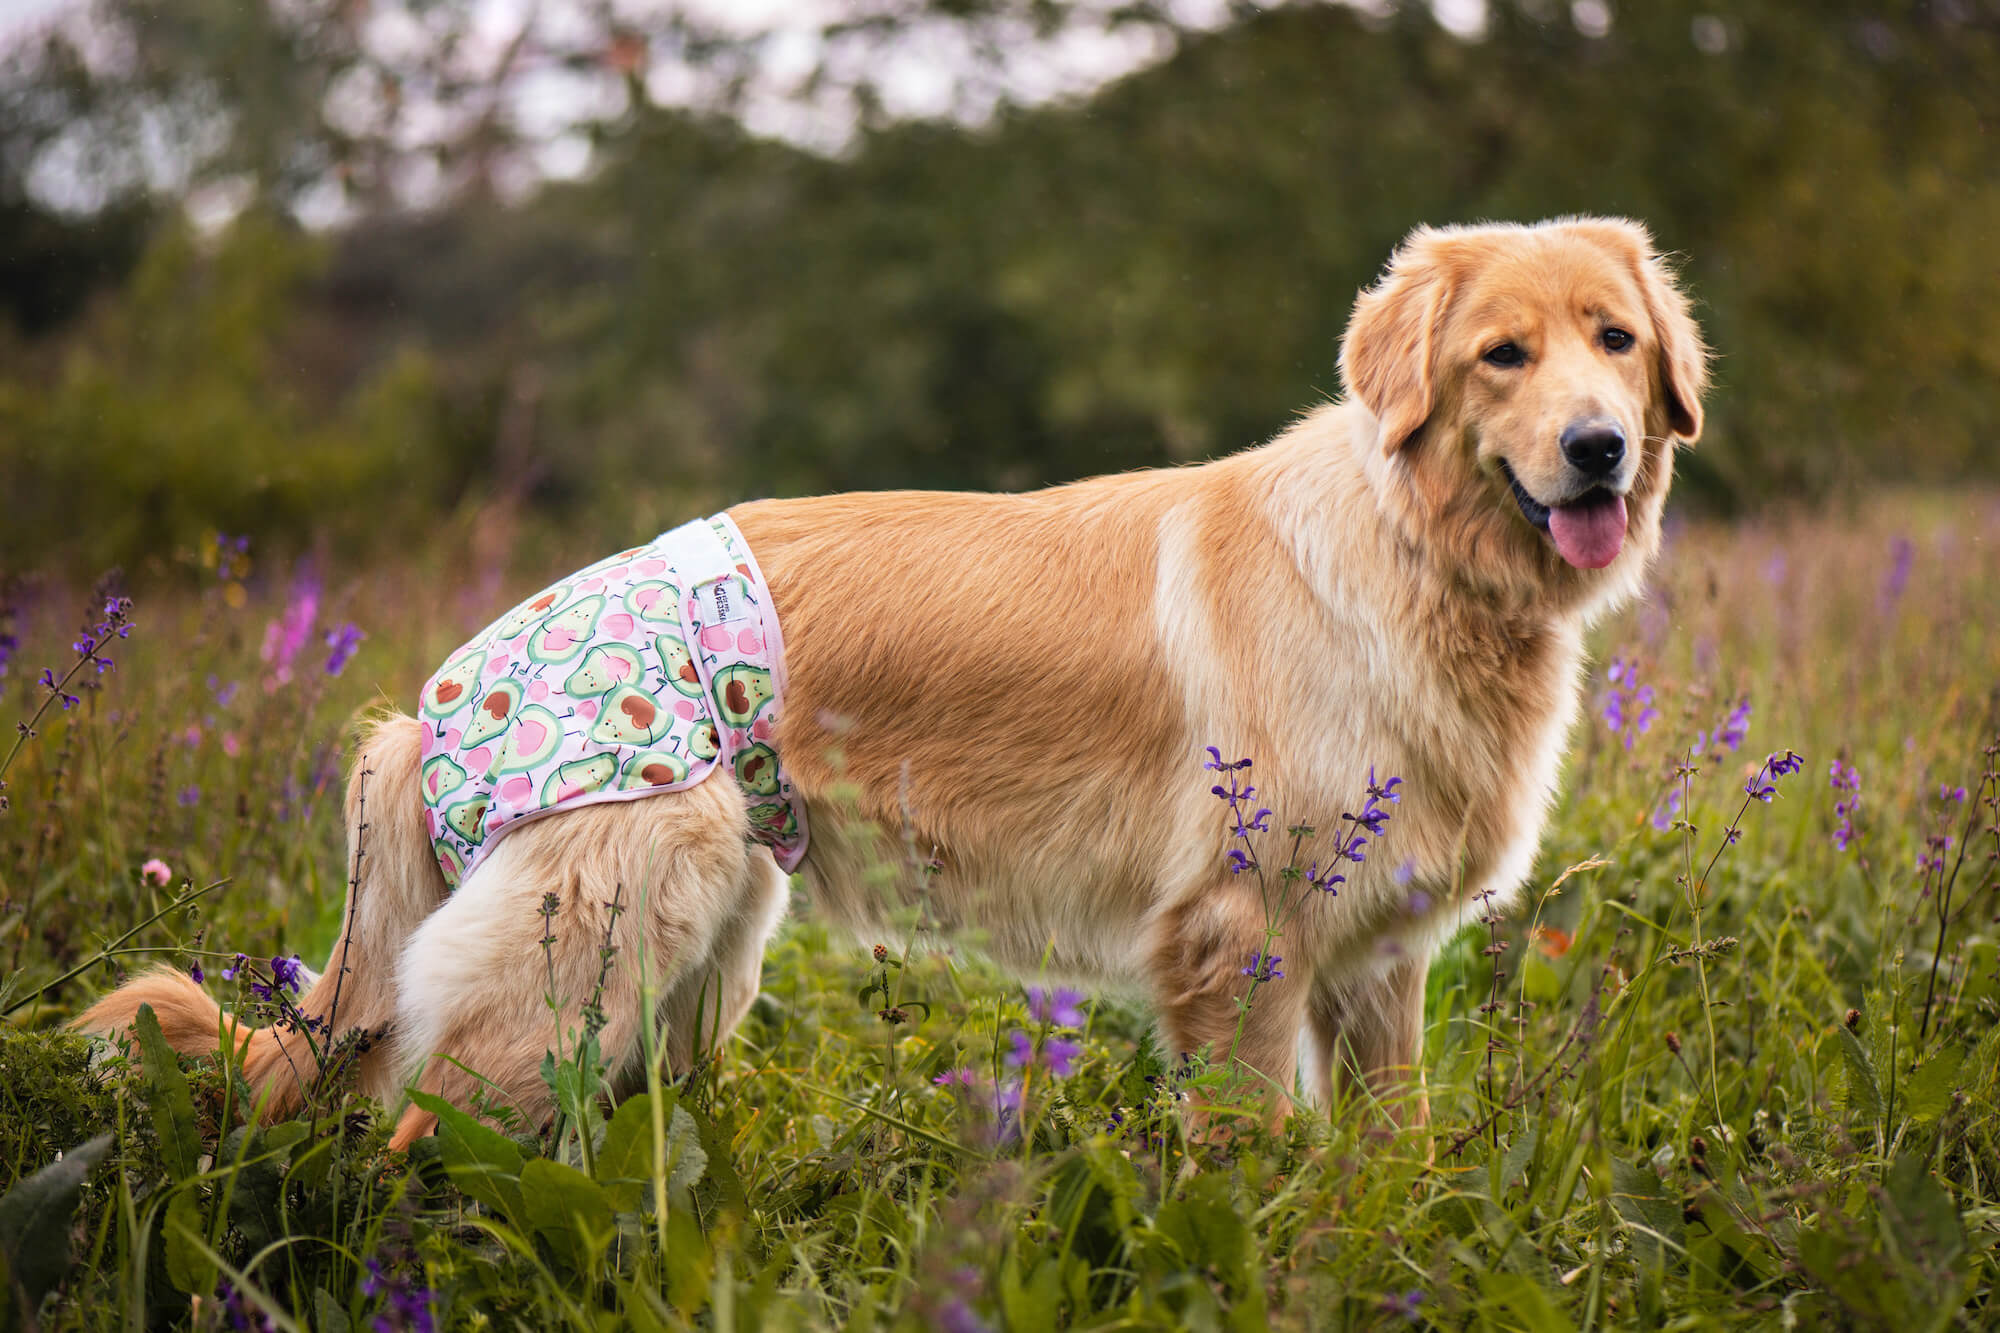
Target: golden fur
x=1026, y=684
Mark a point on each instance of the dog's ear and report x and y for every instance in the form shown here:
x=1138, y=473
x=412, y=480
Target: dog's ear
x=1683, y=355
x=1389, y=358
x=1683, y=364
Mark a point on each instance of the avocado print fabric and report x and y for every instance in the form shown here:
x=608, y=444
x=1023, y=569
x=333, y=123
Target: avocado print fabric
x=640, y=675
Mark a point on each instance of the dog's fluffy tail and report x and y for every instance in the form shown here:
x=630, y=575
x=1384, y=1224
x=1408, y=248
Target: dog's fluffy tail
x=397, y=885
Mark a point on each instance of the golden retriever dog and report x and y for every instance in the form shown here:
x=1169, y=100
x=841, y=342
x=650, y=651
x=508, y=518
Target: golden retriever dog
x=1028, y=684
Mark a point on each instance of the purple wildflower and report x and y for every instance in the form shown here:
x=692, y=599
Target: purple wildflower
x=286, y=974
x=189, y=796
x=1846, y=779
x=195, y=974
x=1951, y=795
x=408, y=1308
x=1263, y=967
x=1776, y=766
x=1668, y=810
x=240, y=1313
x=1061, y=1007
x=1902, y=553
x=1628, y=705
x=342, y=642
x=231, y=556
x=1730, y=734
x=236, y=965
x=1056, y=1055
x=957, y=1317
x=1405, y=1306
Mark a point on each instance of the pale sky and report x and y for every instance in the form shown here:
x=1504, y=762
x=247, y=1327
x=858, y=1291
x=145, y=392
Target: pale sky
x=928, y=70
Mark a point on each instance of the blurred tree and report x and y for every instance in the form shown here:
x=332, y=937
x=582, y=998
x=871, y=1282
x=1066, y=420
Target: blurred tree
x=1158, y=272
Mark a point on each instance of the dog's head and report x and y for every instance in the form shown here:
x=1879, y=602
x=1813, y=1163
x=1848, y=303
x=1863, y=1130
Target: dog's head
x=1528, y=384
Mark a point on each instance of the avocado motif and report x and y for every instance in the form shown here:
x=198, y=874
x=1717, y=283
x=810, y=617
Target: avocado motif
x=653, y=768
x=603, y=666
x=776, y=818
x=564, y=634
x=655, y=601
x=441, y=777
x=579, y=776
x=451, y=864
x=468, y=818
x=533, y=737
x=679, y=664
x=741, y=692
x=495, y=711
x=528, y=612
x=452, y=688
x=703, y=741
x=757, y=769
x=630, y=716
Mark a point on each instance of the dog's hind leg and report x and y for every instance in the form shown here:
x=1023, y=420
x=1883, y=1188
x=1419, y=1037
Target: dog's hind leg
x=476, y=981
x=706, y=1002
x=1371, y=1028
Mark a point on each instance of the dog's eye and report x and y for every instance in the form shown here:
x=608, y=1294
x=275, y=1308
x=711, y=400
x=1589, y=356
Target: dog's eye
x=1504, y=354
x=1616, y=340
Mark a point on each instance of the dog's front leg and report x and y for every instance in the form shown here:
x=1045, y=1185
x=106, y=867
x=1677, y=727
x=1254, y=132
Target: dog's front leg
x=1203, y=962
x=1372, y=1028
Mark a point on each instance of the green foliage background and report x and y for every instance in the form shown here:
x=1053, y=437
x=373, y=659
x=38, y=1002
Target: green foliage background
x=1159, y=273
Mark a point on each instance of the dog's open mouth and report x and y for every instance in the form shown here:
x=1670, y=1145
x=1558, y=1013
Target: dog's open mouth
x=1588, y=532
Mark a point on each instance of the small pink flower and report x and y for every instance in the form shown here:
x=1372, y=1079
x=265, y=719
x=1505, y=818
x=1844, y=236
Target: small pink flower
x=232, y=744
x=156, y=873
x=192, y=736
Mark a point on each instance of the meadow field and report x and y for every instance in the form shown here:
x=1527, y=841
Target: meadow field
x=1734, y=1060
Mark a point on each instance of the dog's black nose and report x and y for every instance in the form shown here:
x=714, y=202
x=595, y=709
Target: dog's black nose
x=1594, y=448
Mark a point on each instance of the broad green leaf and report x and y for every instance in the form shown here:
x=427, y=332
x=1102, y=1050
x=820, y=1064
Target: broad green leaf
x=1646, y=1207
x=329, y=1315
x=168, y=1097
x=569, y=1210
x=34, y=1221
x=1929, y=1090
x=624, y=1162
x=189, y=1267
x=1524, y=1298
x=480, y=1160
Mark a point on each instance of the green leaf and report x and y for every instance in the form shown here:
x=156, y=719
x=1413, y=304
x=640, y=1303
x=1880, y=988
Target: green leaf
x=1645, y=1206
x=624, y=1162
x=189, y=1266
x=569, y=1210
x=34, y=1221
x=480, y=1160
x=1929, y=1090
x=168, y=1097
x=1525, y=1299
x=329, y=1315
x=1864, y=1094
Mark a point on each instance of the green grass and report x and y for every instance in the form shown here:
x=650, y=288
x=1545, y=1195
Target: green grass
x=1815, y=1143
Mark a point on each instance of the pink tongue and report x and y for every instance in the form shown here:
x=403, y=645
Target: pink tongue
x=1589, y=535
